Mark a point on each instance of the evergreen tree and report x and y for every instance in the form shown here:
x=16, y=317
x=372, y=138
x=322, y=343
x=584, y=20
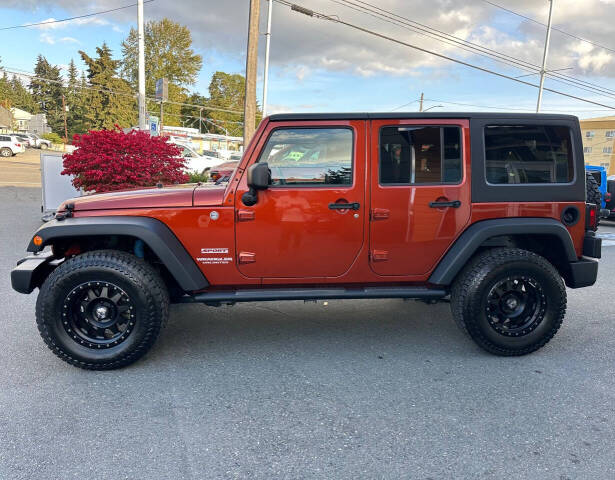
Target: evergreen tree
x=6, y=92
x=22, y=98
x=47, y=89
x=110, y=100
x=75, y=100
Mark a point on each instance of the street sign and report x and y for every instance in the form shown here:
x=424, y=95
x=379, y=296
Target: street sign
x=154, y=126
x=162, y=89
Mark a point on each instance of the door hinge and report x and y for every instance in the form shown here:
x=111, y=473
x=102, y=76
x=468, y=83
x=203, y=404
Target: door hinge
x=380, y=213
x=380, y=255
x=245, y=215
x=247, y=257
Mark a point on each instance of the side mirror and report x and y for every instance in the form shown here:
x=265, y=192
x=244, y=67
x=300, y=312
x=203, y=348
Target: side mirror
x=259, y=178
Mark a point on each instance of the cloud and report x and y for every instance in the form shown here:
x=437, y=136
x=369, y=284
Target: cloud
x=302, y=45
x=52, y=23
x=69, y=40
x=46, y=38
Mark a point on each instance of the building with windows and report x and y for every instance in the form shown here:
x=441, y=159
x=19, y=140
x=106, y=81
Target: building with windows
x=21, y=120
x=598, y=142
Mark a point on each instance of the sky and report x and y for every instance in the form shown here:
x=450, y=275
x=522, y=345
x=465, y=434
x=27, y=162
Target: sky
x=318, y=65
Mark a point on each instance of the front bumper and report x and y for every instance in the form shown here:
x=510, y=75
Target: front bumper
x=31, y=271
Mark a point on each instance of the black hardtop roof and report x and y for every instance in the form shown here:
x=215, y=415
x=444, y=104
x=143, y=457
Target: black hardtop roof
x=280, y=117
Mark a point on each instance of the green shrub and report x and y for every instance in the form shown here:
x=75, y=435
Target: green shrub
x=198, y=177
x=53, y=137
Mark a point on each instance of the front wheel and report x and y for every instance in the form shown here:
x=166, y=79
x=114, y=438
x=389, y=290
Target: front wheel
x=510, y=301
x=102, y=310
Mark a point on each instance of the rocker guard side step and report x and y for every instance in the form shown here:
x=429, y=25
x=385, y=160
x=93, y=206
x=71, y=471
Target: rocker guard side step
x=276, y=294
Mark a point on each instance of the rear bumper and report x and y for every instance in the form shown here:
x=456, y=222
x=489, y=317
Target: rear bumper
x=31, y=271
x=592, y=245
x=582, y=273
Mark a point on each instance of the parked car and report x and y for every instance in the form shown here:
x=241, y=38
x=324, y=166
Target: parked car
x=333, y=206
x=25, y=139
x=211, y=153
x=197, y=163
x=38, y=142
x=610, y=203
x=11, y=145
x=223, y=172
x=599, y=175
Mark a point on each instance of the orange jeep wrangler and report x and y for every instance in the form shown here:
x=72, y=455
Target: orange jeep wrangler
x=487, y=211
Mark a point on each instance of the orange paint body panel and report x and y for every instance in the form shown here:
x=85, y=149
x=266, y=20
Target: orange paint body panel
x=173, y=196
x=487, y=211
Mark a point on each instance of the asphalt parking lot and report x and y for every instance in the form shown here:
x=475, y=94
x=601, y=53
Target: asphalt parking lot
x=362, y=389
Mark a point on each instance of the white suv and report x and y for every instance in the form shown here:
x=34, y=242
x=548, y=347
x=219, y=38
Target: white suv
x=10, y=145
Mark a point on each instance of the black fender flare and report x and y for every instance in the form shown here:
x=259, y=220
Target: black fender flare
x=154, y=233
x=474, y=236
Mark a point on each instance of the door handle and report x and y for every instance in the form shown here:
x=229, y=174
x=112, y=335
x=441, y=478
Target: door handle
x=345, y=206
x=453, y=204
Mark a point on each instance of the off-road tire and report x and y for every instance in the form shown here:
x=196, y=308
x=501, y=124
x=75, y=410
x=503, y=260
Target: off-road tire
x=470, y=297
x=6, y=152
x=143, y=287
x=592, y=192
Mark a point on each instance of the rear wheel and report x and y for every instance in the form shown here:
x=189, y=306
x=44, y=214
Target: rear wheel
x=510, y=301
x=44, y=146
x=102, y=310
x=6, y=152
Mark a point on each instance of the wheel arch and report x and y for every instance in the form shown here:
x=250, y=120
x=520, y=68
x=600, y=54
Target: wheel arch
x=154, y=233
x=528, y=233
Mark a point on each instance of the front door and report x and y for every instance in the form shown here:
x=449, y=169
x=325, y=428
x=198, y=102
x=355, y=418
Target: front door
x=420, y=192
x=309, y=222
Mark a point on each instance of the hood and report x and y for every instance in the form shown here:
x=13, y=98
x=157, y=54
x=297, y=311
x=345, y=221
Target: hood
x=172, y=196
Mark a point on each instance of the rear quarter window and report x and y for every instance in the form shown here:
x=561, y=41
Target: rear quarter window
x=528, y=154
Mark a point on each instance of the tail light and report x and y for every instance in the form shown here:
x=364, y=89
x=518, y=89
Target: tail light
x=591, y=216
x=18, y=144
x=607, y=197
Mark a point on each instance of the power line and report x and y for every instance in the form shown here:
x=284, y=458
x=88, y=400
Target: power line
x=552, y=28
x=49, y=22
x=458, y=42
x=322, y=16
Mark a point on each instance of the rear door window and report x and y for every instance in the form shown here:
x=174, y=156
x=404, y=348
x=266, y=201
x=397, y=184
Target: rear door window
x=526, y=154
x=414, y=155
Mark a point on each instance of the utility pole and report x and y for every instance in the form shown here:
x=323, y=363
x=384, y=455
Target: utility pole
x=65, y=128
x=249, y=115
x=141, y=35
x=161, y=116
x=200, y=118
x=544, y=57
x=267, y=42
x=421, y=105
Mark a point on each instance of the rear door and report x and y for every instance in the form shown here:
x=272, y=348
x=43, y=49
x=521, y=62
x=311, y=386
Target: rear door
x=420, y=193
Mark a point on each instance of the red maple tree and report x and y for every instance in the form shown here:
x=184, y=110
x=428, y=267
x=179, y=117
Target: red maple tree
x=107, y=160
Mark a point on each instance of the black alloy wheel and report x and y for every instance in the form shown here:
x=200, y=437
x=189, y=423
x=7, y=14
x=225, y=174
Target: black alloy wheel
x=515, y=306
x=98, y=314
